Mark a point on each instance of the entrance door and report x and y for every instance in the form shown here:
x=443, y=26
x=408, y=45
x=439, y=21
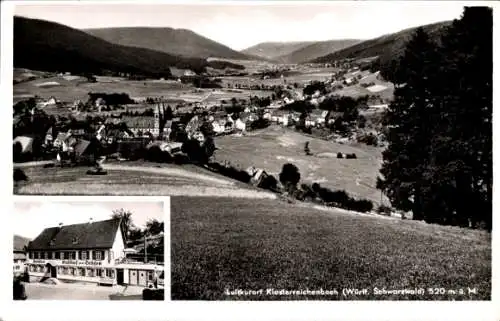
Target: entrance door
x=119, y=276
x=133, y=277
x=52, y=270
x=143, y=277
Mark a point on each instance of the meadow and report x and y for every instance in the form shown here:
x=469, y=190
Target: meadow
x=221, y=244
x=132, y=178
x=71, y=88
x=272, y=147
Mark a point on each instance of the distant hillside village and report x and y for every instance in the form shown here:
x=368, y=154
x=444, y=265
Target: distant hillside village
x=116, y=125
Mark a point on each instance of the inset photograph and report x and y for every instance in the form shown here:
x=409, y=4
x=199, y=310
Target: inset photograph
x=88, y=250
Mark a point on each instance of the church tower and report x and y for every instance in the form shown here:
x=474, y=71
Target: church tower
x=156, y=130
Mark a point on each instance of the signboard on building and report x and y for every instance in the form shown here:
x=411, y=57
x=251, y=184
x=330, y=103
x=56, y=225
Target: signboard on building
x=67, y=262
x=82, y=263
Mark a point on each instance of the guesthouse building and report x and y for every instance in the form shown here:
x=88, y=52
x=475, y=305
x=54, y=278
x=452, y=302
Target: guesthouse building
x=89, y=252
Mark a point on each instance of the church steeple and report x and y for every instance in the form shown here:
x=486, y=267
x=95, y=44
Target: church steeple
x=157, y=119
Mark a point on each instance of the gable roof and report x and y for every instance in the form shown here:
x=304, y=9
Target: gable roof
x=26, y=143
x=81, y=147
x=139, y=122
x=62, y=136
x=95, y=235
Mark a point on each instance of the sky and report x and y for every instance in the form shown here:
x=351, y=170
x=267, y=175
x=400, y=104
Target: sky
x=241, y=25
x=31, y=217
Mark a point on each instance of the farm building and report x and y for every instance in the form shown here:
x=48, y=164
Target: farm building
x=89, y=252
x=51, y=102
x=26, y=143
x=19, y=254
x=141, y=125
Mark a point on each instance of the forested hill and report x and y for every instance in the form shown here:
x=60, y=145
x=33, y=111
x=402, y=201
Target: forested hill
x=387, y=47
x=178, y=42
x=274, y=50
x=49, y=46
x=317, y=49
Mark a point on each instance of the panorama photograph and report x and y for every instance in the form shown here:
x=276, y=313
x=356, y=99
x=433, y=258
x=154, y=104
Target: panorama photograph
x=88, y=250
x=313, y=150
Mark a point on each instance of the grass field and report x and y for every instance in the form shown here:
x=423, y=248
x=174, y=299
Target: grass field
x=221, y=244
x=136, y=179
x=71, y=90
x=271, y=148
x=78, y=89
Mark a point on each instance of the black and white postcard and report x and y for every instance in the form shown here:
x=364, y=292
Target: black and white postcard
x=325, y=151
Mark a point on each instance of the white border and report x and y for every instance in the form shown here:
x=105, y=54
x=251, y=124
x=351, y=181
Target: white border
x=175, y=310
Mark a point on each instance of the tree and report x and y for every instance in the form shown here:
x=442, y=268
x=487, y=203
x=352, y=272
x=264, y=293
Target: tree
x=463, y=157
x=135, y=234
x=154, y=227
x=408, y=121
x=439, y=159
x=17, y=152
x=169, y=113
x=289, y=176
x=126, y=219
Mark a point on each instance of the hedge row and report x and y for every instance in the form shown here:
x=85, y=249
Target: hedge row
x=338, y=198
x=230, y=171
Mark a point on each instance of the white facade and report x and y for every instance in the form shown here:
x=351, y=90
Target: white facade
x=118, y=247
x=102, y=266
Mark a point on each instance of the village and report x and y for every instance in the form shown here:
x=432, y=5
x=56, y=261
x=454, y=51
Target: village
x=114, y=125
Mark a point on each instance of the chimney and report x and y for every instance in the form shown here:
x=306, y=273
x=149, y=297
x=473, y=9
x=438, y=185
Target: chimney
x=90, y=220
x=60, y=225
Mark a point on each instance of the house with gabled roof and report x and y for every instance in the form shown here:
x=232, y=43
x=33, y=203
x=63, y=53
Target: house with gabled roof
x=19, y=255
x=87, y=252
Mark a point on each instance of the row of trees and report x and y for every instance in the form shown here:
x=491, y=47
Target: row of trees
x=439, y=160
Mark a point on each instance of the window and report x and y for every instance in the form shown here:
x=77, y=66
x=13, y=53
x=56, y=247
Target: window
x=57, y=255
x=53, y=255
x=72, y=255
x=82, y=272
x=98, y=272
x=90, y=273
x=150, y=275
x=83, y=255
x=63, y=256
x=110, y=273
x=75, y=240
x=98, y=256
x=46, y=255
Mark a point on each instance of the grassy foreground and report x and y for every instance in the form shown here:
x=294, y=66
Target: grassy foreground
x=226, y=244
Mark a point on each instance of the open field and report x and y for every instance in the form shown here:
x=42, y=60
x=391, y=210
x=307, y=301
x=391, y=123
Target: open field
x=78, y=89
x=137, y=179
x=228, y=244
x=71, y=90
x=271, y=148
x=385, y=89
